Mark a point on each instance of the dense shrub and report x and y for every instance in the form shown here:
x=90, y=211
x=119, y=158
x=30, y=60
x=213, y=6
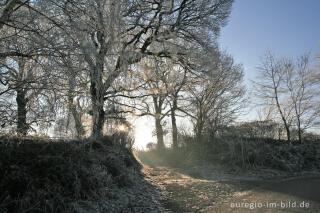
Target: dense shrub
x=67, y=176
x=241, y=153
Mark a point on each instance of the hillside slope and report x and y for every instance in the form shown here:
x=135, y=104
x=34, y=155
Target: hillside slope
x=39, y=175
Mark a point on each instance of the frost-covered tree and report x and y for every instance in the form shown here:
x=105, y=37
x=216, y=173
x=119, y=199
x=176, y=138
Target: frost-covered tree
x=216, y=94
x=303, y=93
x=112, y=35
x=289, y=86
x=270, y=88
x=109, y=36
x=25, y=93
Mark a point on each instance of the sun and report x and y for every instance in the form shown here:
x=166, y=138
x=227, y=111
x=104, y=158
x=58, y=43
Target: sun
x=143, y=132
x=122, y=128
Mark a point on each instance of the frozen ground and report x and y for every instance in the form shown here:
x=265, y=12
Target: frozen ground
x=212, y=189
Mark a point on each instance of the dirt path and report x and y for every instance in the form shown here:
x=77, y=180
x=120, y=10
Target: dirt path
x=187, y=194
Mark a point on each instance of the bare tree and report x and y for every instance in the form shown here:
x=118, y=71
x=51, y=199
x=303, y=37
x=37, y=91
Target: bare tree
x=156, y=87
x=154, y=94
x=26, y=22
x=270, y=88
x=28, y=82
x=178, y=80
x=108, y=35
x=216, y=95
x=111, y=35
x=71, y=85
x=303, y=93
x=291, y=88
x=6, y=10
x=24, y=76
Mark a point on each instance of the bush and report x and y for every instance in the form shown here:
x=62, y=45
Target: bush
x=239, y=152
x=66, y=176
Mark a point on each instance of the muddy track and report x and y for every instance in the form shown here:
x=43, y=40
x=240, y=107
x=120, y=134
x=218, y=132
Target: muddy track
x=188, y=194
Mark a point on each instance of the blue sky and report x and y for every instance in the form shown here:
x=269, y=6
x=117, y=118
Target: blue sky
x=286, y=27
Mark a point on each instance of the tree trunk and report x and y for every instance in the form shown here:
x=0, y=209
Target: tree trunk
x=22, y=126
x=97, y=95
x=7, y=10
x=159, y=131
x=174, y=131
x=282, y=115
x=298, y=120
x=174, y=125
x=199, y=127
x=73, y=109
x=77, y=120
x=279, y=133
x=97, y=87
x=157, y=103
x=288, y=133
x=299, y=130
x=97, y=117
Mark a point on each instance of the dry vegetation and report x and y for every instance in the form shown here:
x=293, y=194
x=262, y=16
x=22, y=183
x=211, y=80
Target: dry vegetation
x=239, y=153
x=39, y=175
